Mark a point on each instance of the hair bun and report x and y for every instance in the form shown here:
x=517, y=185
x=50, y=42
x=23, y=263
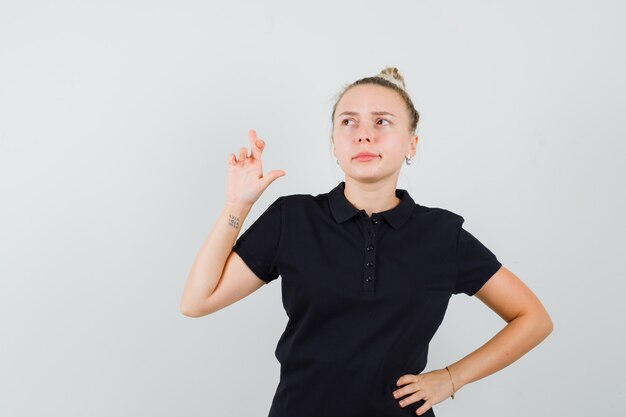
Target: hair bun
x=392, y=75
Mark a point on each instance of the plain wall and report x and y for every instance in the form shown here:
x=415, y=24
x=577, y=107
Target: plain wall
x=116, y=121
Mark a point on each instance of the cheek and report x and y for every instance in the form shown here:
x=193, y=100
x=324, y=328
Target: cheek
x=342, y=151
x=341, y=140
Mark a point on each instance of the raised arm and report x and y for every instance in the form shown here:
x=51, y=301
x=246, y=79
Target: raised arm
x=218, y=276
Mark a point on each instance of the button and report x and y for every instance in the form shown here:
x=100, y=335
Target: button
x=370, y=264
x=375, y=220
x=370, y=247
x=368, y=279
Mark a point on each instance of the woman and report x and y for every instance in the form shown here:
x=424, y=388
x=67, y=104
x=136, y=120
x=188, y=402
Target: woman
x=366, y=272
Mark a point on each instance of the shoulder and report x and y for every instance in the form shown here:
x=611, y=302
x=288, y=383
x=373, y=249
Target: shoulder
x=439, y=215
x=302, y=200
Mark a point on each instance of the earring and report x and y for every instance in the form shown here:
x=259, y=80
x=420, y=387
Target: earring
x=337, y=161
x=407, y=159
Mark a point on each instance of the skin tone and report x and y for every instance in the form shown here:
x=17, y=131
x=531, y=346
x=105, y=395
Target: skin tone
x=371, y=186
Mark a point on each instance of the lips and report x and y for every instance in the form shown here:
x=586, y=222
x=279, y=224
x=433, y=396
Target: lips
x=365, y=156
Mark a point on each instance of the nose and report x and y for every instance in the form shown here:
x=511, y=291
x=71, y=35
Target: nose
x=364, y=135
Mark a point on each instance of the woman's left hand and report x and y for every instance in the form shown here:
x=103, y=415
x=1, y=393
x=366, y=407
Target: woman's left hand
x=432, y=387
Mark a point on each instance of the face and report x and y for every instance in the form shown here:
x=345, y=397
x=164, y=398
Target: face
x=374, y=119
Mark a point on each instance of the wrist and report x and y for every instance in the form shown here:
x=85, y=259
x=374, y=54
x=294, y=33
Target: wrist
x=237, y=206
x=451, y=378
x=236, y=213
x=456, y=375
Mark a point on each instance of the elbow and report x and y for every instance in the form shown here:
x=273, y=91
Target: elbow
x=189, y=310
x=544, y=326
x=538, y=323
x=549, y=325
x=543, y=321
x=185, y=311
x=195, y=310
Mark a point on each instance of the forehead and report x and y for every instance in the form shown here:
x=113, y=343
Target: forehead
x=366, y=98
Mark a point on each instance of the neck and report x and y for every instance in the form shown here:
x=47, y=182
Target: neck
x=371, y=197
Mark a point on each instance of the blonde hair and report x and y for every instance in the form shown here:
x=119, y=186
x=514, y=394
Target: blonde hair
x=389, y=77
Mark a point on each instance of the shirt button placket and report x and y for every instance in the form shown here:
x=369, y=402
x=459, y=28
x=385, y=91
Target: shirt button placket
x=370, y=255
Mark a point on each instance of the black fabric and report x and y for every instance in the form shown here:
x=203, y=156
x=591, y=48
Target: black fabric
x=364, y=296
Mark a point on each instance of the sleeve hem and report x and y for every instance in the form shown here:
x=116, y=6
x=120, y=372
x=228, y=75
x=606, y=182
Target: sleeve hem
x=248, y=259
x=494, y=268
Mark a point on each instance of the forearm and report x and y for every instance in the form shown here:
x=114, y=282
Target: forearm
x=208, y=265
x=518, y=337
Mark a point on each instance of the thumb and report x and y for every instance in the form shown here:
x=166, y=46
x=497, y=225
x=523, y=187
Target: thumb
x=272, y=175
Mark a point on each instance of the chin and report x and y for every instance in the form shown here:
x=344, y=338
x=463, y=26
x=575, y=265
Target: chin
x=369, y=175
x=365, y=177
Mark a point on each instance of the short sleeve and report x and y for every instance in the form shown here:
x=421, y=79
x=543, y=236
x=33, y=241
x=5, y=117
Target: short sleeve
x=475, y=263
x=259, y=244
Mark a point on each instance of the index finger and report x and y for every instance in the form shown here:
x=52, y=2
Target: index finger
x=256, y=145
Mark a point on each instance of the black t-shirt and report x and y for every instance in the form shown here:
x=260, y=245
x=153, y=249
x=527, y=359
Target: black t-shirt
x=364, y=296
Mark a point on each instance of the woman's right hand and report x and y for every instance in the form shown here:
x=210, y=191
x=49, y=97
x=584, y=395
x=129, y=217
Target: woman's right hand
x=246, y=181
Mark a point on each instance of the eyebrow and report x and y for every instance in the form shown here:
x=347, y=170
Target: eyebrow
x=376, y=113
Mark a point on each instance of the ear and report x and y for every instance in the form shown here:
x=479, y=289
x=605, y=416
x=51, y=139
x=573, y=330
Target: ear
x=413, y=145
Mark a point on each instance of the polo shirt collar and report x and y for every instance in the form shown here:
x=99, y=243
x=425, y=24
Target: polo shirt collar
x=343, y=210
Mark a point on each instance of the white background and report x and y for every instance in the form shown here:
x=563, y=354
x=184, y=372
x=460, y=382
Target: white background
x=116, y=120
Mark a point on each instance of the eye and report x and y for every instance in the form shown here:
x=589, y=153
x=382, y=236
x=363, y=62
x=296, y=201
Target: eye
x=384, y=120
x=345, y=120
